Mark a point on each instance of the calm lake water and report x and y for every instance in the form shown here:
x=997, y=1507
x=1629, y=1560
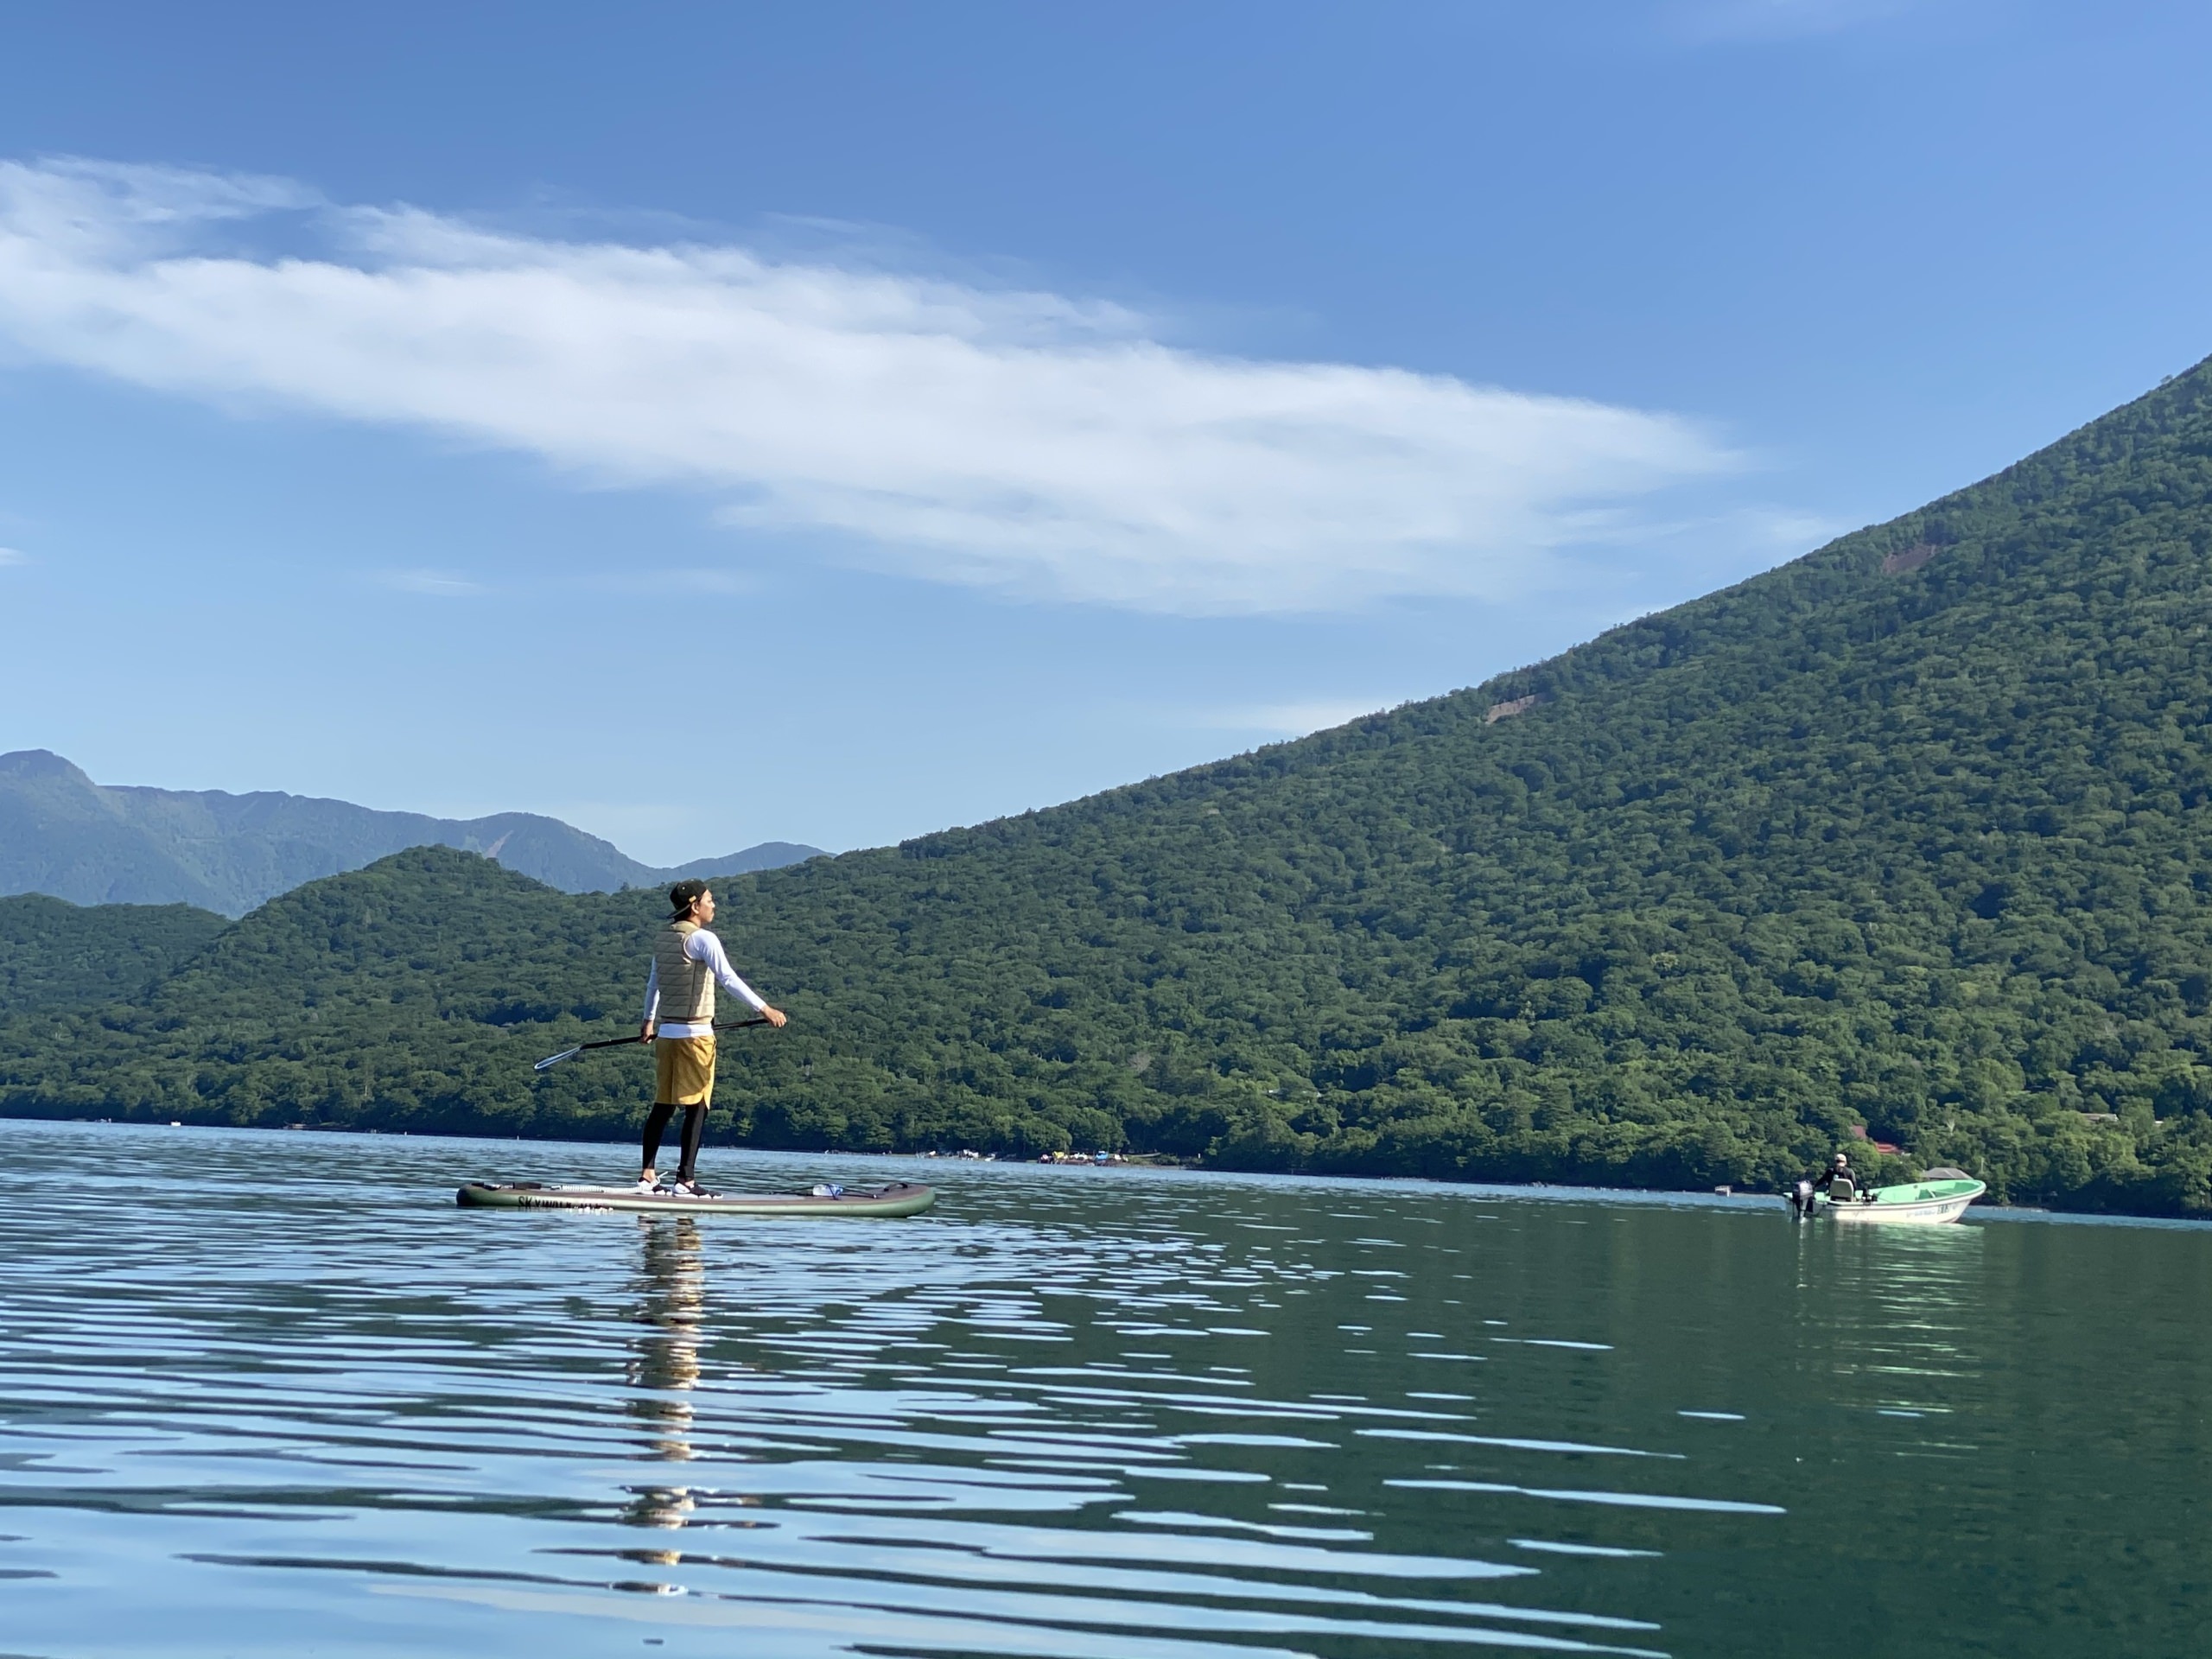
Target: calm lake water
x=1091, y=1413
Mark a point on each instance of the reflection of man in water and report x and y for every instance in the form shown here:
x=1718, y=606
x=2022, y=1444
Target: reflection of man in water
x=667, y=1360
x=674, y=1285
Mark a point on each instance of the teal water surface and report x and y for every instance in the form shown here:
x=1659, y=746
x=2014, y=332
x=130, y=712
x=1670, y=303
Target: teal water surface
x=268, y=1393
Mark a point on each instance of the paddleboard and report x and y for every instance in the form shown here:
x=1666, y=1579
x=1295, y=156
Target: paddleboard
x=898, y=1199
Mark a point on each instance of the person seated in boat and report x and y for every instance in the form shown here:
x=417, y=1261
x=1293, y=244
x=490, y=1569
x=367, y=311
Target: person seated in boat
x=1838, y=1181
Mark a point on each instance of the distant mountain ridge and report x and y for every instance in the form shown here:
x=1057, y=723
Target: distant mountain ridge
x=65, y=836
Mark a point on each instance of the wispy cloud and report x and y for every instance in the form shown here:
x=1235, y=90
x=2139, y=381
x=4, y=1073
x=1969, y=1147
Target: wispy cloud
x=9, y=555
x=1044, y=445
x=438, y=584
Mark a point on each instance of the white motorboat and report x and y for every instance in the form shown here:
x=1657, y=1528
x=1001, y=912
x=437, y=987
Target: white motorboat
x=1921, y=1202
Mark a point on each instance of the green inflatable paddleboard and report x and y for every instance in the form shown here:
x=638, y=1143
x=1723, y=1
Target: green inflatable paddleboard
x=898, y=1199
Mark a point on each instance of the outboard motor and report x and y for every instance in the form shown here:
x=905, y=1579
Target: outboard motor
x=1801, y=1199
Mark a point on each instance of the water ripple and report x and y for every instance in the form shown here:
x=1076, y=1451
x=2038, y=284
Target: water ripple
x=1066, y=1415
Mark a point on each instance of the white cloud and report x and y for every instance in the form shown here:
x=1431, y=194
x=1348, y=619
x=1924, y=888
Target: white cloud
x=8, y=555
x=1047, y=445
x=437, y=584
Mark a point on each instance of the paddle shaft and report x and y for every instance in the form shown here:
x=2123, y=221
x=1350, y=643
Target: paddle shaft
x=719, y=1025
x=620, y=1042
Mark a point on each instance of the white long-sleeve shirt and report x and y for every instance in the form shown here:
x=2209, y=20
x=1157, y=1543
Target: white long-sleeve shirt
x=700, y=946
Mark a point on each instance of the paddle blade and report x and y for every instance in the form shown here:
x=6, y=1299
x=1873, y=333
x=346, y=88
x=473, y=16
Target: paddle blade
x=555, y=1059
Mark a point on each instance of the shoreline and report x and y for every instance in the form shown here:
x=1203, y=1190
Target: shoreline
x=1149, y=1165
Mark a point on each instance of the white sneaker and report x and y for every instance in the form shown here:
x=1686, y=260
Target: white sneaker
x=644, y=1186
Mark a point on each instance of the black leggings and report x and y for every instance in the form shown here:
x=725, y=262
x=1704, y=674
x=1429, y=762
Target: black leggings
x=694, y=1125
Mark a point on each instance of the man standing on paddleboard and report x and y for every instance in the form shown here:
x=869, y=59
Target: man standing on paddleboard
x=688, y=963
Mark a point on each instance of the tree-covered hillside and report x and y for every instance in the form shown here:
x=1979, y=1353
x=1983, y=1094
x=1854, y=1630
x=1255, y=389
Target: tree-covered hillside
x=54, y=955
x=1910, y=834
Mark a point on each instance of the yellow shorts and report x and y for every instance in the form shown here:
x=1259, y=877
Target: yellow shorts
x=684, y=1072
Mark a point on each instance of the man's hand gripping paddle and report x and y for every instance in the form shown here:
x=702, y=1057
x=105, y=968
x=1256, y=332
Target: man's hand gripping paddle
x=620, y=1042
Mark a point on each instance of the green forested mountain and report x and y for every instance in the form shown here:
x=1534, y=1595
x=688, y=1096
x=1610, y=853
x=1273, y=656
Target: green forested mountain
x=1911, y=834
x=54, y=955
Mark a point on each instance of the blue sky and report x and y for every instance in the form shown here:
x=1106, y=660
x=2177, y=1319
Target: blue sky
x=710, y=425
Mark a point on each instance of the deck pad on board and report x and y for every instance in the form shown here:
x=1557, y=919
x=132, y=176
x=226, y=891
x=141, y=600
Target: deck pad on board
x=898, y=1198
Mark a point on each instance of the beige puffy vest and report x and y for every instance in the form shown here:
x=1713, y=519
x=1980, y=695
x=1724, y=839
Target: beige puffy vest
x=687, y=987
